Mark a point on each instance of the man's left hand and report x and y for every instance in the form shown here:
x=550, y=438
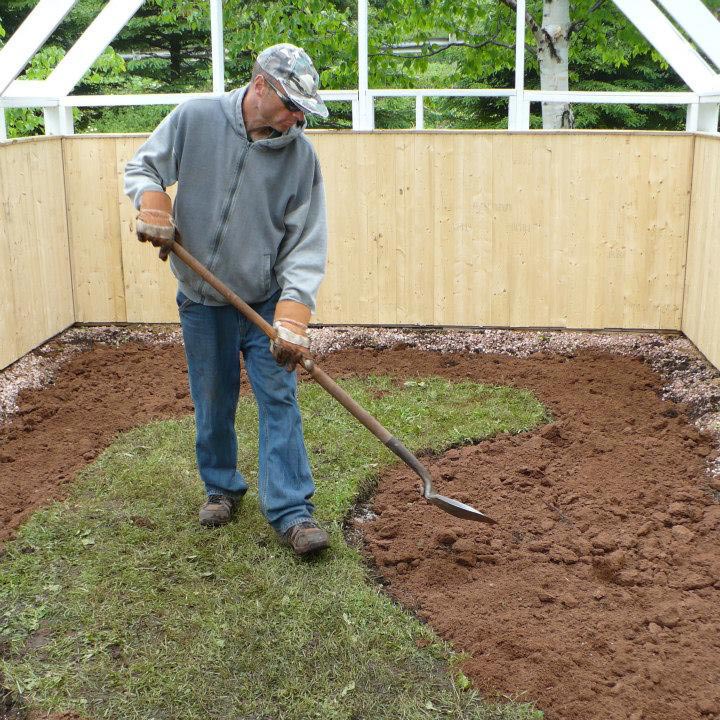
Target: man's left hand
x=288, y=347
x=291, y=344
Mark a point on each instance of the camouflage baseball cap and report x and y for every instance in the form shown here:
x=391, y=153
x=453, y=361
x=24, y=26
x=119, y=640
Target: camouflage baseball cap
x=293, y=69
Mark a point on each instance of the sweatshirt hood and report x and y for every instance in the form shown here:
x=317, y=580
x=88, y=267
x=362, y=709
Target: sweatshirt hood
x=231, y=103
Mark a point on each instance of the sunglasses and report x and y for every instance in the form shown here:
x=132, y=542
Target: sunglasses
x=286, y=101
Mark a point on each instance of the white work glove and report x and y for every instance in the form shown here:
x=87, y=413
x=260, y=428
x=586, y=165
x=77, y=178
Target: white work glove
x=158, y=228
x=289, y=347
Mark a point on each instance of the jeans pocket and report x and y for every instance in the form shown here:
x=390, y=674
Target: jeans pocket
x=183, y=302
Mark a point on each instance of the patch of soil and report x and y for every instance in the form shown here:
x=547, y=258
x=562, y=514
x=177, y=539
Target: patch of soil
x=60, y=428
x=597, y=594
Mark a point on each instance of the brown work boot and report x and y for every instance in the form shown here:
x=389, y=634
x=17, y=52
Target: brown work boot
x=306, y=538
x=217, y=510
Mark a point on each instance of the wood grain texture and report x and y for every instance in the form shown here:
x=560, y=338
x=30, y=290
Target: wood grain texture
x=701, y=317
x=91, y=178
x=581, y=230
x=149, y=285
x=35, y=280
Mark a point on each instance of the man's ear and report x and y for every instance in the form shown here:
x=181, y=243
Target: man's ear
x=259, y=85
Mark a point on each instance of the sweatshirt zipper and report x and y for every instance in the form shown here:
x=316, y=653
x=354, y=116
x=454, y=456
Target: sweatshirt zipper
x=224, y=218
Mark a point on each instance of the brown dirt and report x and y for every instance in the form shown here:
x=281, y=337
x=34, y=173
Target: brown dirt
x=597, y=594
x=61, y=428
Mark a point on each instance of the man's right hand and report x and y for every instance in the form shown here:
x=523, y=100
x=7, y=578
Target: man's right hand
x=156, y=227
x=154, y=222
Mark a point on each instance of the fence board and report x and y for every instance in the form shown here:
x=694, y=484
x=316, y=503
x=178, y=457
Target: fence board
x=94, y=226
x=701, y=318
x=35, y=281
x=149, y=284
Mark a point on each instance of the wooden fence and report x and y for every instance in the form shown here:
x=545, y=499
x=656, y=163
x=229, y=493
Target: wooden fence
x=701, y=316
x=580, y=230
x=35, y=276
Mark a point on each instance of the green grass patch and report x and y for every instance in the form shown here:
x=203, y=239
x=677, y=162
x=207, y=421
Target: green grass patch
x=116, y=604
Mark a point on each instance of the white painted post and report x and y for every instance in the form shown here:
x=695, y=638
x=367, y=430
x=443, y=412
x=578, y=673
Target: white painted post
x=703, y=117
x=364, y=120
x=218, y=46
x=3, y=126
x=518, y=108
x=58, y=120
x=419, y=113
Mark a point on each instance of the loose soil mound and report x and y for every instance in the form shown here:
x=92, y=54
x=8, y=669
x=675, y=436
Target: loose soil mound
x=597, y=594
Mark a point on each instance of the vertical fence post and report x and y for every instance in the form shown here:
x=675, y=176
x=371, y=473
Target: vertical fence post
x=363, y=119
x=58, y=120
x=702, y=117
x=518, y=108
x=419, y=112
x=3, y=126
x=218, y=46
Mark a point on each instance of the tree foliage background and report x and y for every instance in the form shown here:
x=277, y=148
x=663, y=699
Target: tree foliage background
x=166, y=48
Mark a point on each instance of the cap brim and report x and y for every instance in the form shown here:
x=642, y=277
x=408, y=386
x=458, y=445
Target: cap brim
x=313, y=105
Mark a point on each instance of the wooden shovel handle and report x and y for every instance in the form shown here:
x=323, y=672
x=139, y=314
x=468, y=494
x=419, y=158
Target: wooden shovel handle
x=320, y=377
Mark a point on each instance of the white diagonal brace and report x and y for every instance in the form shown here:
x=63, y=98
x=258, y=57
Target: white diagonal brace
x=29, y=37
x=699, y=23
x=668, y=41
x=99, y=34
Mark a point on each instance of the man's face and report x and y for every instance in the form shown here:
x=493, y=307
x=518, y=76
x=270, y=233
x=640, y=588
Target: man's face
x=276, y=115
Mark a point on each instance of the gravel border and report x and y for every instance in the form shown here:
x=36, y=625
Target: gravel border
x=688, y=377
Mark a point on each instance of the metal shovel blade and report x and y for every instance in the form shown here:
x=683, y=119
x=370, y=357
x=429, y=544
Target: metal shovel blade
x=454, y=507
x=458, y=509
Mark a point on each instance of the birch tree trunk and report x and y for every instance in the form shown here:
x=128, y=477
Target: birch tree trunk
x=552, y=54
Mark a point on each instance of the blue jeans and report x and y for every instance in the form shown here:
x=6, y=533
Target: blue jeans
x=214, y=338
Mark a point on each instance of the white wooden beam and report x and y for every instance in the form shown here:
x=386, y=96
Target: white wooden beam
x=699, y=23
x=519, y=108
x=419, y=112
x=447, y=92
x=23, y=102
x=702, y=118
x=668, y=41
x=28, y=88
x=612, y=98
x=29, y=37
x=100, y=33
x=364, y=118
x=58, y=121
x=3, y=125
x=218, y=46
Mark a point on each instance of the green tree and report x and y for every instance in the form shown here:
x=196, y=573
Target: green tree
x=166, y=48
x=588, y=43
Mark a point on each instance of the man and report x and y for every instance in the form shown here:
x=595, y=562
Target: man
x=250, y=206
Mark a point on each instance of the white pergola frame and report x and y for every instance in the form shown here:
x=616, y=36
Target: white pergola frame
x=53, y=94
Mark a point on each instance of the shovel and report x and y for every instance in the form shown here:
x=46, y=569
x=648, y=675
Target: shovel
x=454, y=507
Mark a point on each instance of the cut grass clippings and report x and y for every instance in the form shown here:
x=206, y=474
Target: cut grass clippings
x=116, y=604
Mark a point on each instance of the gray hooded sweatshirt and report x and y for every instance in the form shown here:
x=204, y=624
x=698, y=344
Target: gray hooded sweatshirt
x=252, y=212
